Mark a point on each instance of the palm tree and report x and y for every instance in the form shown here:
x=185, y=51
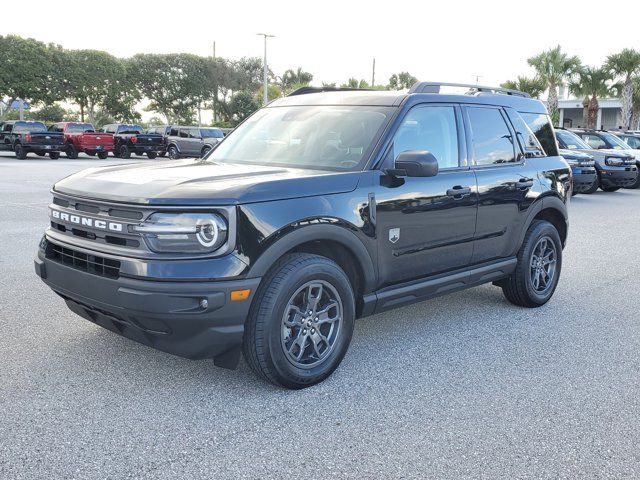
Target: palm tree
x=533, y=86
x=635, y=111
x=625, y=64
x=554, y=67
x=592, y=83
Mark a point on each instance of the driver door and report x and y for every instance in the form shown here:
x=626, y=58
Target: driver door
x=426, y=225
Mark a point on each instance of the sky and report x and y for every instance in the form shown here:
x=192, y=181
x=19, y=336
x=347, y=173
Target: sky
x=440, y=41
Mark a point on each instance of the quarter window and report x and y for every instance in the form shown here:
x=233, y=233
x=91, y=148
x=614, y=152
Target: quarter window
x=492, y=139
x=540, y=125
x=431, y=128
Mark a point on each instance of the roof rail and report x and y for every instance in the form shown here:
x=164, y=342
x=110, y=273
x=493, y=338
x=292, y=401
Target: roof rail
x=306, y=90
x=434, y=87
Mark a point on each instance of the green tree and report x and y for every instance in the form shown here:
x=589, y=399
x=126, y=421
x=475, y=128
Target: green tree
x=174, y=83
x=242, y=105
x=554, y=67
x=49, y=114
x=28, y=71
x=635, y=113
x=355, y=83
x=92, y=77
x=533, y=86
x=592, y=83
x=292, y=80
x=625, y=64
x=401, y=81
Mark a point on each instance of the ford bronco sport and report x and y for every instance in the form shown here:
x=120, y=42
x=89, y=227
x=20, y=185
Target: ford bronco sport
x=322, y=207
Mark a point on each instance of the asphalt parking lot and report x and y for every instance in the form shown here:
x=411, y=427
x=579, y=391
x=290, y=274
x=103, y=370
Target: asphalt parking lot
x=463, y=386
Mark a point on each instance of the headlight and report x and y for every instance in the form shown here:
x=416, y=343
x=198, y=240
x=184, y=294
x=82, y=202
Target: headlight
x=184, y=232
x=614, y=161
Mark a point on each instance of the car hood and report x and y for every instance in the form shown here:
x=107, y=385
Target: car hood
x=599, y=152
x=575, y=155
x=198, y=182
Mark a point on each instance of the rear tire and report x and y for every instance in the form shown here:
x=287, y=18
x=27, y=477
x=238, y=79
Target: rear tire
x=609, y=189
x=124, y=152
x=152, y=155
x=301, y=321
x=103, y=155
x=539, y=260
x=54, y=155
x=71, y=151
x=21, y=153
x=204, y=151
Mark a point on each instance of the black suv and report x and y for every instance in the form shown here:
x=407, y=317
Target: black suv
x=320, y=208
x=130, y=139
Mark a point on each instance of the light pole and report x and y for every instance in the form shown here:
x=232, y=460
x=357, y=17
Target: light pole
x=265, y=97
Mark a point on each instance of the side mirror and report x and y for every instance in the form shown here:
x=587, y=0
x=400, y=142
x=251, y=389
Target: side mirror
x=417, y=163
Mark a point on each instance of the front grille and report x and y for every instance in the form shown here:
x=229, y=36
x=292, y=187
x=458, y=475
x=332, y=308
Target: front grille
x=93, y=264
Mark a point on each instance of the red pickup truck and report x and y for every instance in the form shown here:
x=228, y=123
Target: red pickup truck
x=82, y=137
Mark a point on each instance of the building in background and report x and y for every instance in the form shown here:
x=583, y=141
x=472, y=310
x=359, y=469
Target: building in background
x=571, y=111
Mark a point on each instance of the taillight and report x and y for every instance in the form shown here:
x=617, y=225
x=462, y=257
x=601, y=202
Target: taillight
x=27, y=137
x=134, y=139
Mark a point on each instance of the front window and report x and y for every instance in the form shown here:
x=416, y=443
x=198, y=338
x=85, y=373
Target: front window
x=570, y=141
x=614, y=142
x=318, y=137
x=25, y=127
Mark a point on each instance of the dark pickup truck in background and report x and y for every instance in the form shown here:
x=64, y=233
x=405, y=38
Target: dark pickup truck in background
x=130, y=139
x=82, y=137
x=26, y=137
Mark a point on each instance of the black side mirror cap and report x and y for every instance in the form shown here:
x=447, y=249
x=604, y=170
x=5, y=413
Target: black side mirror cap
x=416, y=163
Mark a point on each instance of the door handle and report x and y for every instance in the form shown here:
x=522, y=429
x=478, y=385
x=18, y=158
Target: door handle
x=524, y=183
x=458, y=192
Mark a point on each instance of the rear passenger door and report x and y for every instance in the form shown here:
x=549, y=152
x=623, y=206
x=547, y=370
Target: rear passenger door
x=506, y=181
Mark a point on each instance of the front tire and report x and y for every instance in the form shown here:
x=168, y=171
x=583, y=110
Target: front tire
x=301, y=321
x=152, y=155
x=172, y=152
x=636, y=184
x=609, y=189
x=54, y=155
x=537, y=272
x=593, y=188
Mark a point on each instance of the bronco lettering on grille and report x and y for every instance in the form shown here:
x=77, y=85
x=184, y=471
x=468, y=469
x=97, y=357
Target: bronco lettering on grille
x=87, y=221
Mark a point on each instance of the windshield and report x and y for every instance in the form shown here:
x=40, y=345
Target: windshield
x=211, y=133
x=129, y=129
x=321, y=137
x=570, y=141
x=80, y=127
x=23, y=127
x=614, y=142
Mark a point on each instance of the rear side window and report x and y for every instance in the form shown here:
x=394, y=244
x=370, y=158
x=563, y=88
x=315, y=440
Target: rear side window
x=173, y=132
x=430, y=128
x=184, y=133
x=492, y=139
x=540, y=125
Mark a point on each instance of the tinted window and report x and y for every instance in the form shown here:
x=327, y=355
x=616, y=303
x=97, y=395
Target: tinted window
x=23, y=127
x=194, y=133
x=79, y=127
x=430, y=128
x=211, y=133
x=527, y=139
x=129, y=129
x=540, y=125
x=570, y=141
x=184, y=133
x=173, y=132
x=594, y=141
x=633, y=142
x=7, y=127
x=492, y=139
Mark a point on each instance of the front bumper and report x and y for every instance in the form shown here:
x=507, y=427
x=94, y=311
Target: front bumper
x=619, y=177
x=583, y=178
x=166, y=315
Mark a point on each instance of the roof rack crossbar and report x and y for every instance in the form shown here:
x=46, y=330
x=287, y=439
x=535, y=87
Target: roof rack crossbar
x=306, y=90
x=434, y=87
